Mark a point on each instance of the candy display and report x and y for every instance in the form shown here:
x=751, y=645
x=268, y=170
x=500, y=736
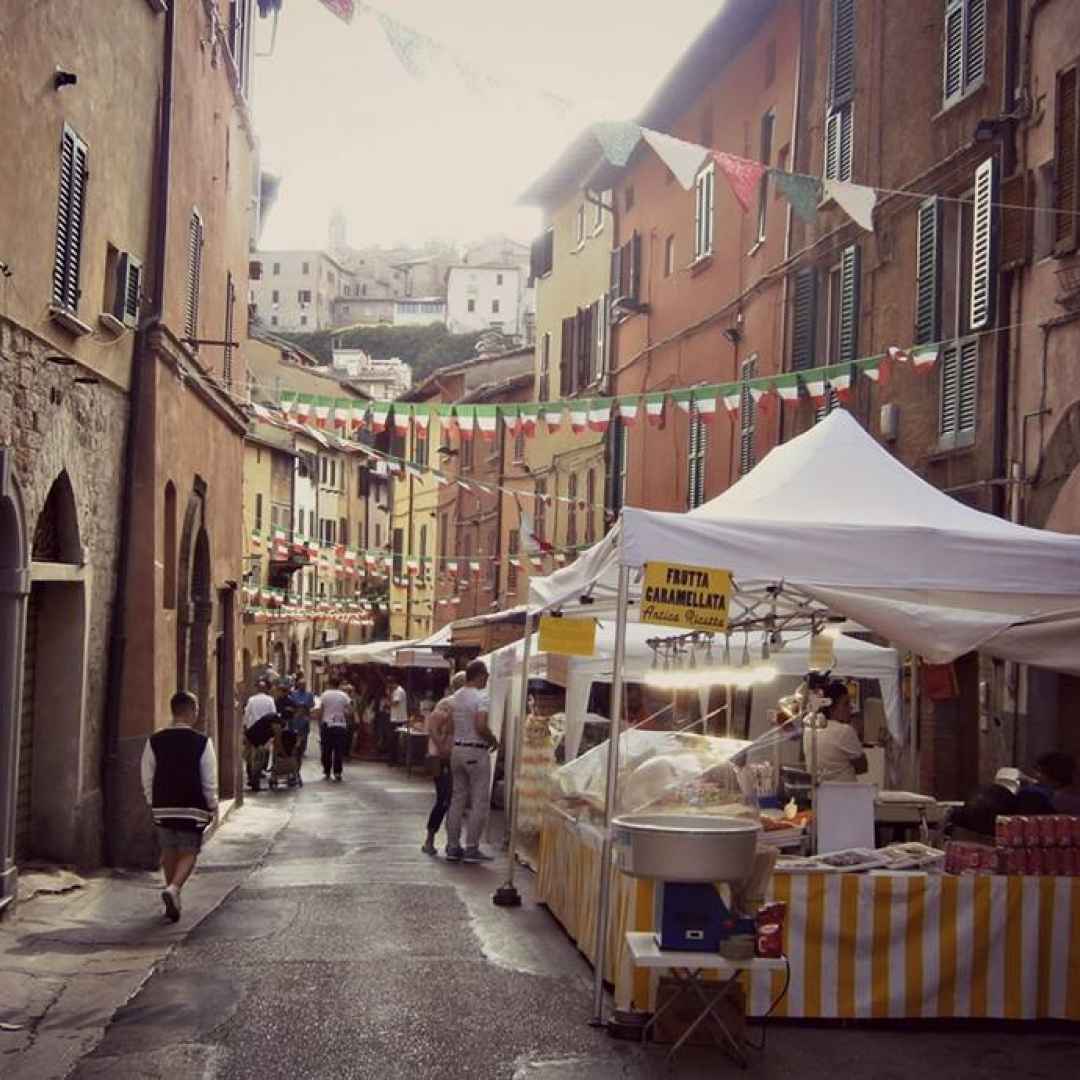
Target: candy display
x=534, y=773
x=1044, y=845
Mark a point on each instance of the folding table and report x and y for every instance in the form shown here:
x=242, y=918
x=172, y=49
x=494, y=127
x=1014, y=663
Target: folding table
x=688, y=968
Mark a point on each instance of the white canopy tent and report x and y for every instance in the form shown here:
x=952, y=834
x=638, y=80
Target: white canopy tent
x=854, y=658
x=380, y=652
x=835, y=515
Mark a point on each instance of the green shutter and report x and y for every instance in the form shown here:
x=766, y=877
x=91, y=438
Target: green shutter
x=842, y=64
x=804, y=320
x=927, y=273
x=953, y=66
x=974, y=43
x=982, y=246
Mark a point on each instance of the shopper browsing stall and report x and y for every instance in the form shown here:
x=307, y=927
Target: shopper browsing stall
x=440, y=731
x=839, y=750
x=333, y=711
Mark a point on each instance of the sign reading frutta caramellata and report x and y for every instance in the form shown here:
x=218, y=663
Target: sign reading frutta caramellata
x=690, y=597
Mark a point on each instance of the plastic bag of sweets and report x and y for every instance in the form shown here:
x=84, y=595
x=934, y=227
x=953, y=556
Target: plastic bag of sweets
x=769, y=943
x=1047, y=831
x=1009, y=831
x=1063, y=830
x=1075, y=830
x=1034, y=861
x=1032, y=833
x=1015, y=862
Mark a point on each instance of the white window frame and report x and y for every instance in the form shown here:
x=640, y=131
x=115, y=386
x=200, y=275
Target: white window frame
x=704, y=211
x=579, y=226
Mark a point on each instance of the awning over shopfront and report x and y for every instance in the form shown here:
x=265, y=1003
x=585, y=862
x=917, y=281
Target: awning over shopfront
x=835, y=515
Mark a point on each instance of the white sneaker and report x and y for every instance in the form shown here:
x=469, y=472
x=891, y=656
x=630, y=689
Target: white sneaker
x=170, y=897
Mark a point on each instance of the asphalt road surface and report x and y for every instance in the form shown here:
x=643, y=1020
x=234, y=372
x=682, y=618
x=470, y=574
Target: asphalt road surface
x=346, y=952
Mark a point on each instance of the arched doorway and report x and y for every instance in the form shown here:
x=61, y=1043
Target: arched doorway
x=294, y=658
x=14, y=590
x=279, y=657
x=52, y=770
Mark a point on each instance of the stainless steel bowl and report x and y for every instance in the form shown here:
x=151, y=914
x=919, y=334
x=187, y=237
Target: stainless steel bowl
x=684, y=847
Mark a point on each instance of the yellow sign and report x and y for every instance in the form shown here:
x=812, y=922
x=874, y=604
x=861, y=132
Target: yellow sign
x=570, y=637
x=690, y=597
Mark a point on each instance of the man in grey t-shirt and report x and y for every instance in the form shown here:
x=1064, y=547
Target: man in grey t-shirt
x=334, y=710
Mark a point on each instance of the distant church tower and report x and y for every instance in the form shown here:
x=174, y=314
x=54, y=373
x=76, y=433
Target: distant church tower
x=339, y=230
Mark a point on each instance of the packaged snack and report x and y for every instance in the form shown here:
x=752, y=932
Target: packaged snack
x=1062, y=830
x=1032, y=835
x=1009, y=831
x=1034, y=861
x=1051, y=864
x=1075, y=831
x=1068, y=862
x=1015, y=861
x=1047, y=830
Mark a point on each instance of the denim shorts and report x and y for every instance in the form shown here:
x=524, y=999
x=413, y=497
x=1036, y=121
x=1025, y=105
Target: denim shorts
x=179, y=839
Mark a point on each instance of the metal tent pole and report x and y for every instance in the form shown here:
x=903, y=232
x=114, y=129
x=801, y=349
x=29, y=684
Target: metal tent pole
x=610, y=794
x=507, y=895
x=913, y=728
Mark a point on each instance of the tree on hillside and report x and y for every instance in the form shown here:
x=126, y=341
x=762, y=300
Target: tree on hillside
x=423, y=348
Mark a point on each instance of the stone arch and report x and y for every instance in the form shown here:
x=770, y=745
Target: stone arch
x=56, y=532
x=194, y=606
x=198, y=674
x=14, y=591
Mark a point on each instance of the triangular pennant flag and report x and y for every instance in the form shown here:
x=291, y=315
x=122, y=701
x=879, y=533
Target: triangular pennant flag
x=600, y=415
x=654, y=409
x=923, y=359
x=742, y=174
x=683, y=159
x=704, y=399
x=487, y=420
x=802, y=192
x=402, y=415
x=579, y=417
x=303, y=408
x=380, y=411
x=322, y=412
x=839, y=378
x=731, y=394
x=682, y=399
x=553, y=418
x=466, y=418
x=357, y=417
x=627, y=409
x=528, y=415
x=856, y=200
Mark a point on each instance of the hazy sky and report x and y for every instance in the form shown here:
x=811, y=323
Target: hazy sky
x=344, y=123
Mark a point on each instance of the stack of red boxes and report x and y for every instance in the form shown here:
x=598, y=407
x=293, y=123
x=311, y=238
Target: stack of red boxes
x=1047, y=844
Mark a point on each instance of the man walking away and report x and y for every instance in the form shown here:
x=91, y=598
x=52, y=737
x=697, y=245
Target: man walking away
x=302, y=701
x=333, y=712
x=470, y=766
x=179, y=778
x=440, y=728
x=259, y=713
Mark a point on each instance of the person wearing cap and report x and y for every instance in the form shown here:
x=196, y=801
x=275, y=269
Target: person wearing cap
x=840, y=754
x=470, y=765
x=258, y=714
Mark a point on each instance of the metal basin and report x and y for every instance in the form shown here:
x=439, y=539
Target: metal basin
x=684, y=847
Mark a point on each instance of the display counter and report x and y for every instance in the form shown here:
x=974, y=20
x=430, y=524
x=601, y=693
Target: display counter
x=861, y=946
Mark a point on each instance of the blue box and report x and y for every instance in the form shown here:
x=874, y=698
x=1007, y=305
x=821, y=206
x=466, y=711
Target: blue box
x=692, y=917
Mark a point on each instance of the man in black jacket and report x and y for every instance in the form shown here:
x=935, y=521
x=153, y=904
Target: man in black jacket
x=179, y=777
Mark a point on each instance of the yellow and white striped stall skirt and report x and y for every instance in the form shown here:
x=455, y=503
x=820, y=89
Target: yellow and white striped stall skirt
x=860, y=946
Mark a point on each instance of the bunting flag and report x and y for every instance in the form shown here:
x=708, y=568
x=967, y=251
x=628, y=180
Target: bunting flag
x=743, y=175
x=856, y=200
x=654, y=409
x=256, y=539
x=925, y=358
x=412, y=567
x=380, y=411
x=767, y=403
x=287, y=404
x=340, y=416
x=537, y=562
x=815, y=384
x=343, y=9
x=879, y=368
x=474, y=567
x=514, y=421
x=303, y=408
x=683, y=159
x=413, y=471
x=839, y=378
x=487, y=420
x=401, y=420
x=802, y=192
x=421, y=419
x=357, y=417
x=600, y=415
x=466, y=418
x=322, y=413
x=452, y=423
x=527, y=415
x=682, y=398
x=787, y=389
x=705, y=403
x=579, y=418
x=627, y=409
x=452, y=567
x=732, y=395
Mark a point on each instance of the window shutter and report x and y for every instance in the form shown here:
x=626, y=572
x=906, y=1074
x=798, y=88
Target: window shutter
x=974, y=42
x=1066, y=165
x=1017, y=199
x=747, y=416
x=635, y=265
x=842, y=66
x=927, y=283
x=967, y=385
x=227, y=350
x=804, y=320
x=697, y=445
x=566, y=358
x=950, y=381
x=832, y=146
x=548, y=262
x=584, y=347
x=953, y=66
x=70, y=212
x=616, y=273
x=195, y=246
x=534, y=259
x=982, y=246
x=847, y=128
x=849, y=305
x=126, y=289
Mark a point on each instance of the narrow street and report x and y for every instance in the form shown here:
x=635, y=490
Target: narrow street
x=339, y=950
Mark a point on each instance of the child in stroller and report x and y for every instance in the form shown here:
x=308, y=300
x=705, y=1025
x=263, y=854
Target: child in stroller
x=285, y=769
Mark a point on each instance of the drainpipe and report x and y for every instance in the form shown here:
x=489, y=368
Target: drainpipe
x=114, y=676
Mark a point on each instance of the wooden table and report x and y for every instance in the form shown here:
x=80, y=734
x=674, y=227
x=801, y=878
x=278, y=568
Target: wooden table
x=688, y=968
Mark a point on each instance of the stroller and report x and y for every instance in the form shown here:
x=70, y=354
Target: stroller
x=285, y=768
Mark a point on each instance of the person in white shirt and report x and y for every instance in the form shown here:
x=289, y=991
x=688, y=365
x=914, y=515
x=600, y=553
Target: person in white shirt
x=840, y=754
x=470, y=765
x=399, y=702
x=258, y=712
x=334, y=711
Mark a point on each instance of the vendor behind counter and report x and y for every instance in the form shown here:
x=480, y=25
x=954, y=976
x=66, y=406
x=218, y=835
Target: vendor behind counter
x=840, y=753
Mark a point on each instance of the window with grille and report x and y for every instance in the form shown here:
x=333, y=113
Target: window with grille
x=964, y=63
x=571, y=510
x=196, y=239
x=959, y=364
x=704, y=211
x=695, y=459
x=747, y=416
x=70, y=213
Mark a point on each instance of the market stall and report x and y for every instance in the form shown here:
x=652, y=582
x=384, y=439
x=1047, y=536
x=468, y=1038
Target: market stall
x=830, y=525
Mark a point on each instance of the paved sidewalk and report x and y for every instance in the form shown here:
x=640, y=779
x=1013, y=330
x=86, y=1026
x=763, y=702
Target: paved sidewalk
x=69, y=961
